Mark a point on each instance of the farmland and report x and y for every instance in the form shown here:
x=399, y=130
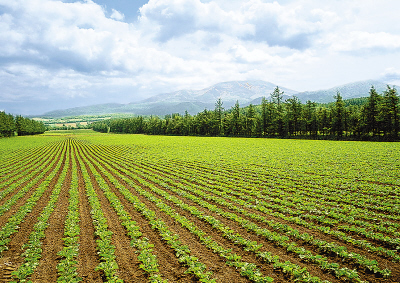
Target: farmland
x=87, y=207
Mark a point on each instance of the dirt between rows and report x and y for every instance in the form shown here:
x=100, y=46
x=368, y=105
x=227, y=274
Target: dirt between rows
x=20, y=156
x=249, y=257
x=384, y=263
x=88, y=258
x=53, y=241
x=250, y=178
x=126, y=259
x=169, y=265
x=126, y=255
x=34, y=181
x=267, y=269
x=353, y=234
x=20, y=164
x=11, y=258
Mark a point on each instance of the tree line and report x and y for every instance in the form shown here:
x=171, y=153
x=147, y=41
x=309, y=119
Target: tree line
x=375, y=117
x=10, y=125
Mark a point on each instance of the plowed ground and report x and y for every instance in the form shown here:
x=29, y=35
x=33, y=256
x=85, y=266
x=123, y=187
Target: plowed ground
x=121, y=167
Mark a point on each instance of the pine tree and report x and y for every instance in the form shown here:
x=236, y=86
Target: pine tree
x=251, y=121
x=338, y=116
x=277, y=96
x=219, y=111
x=389, y=114
x=263, y=122
x=236, y=123
x=371, y=112
x=293, y=115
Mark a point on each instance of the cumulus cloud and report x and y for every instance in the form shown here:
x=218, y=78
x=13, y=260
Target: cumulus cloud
x=78, y=49
x=117, y=15
x=254, y=20
x=391, y=75
x=356, y=41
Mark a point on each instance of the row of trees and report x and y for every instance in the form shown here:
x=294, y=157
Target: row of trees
x=9, y=125
x=377, y=118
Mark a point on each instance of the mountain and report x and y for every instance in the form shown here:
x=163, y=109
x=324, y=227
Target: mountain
x=229, y=92
x=85, y=110
x=351, y=90
x=195, y=101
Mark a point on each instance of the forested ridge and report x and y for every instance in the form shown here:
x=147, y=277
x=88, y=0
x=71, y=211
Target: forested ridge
x=375, y=117
x=9, y=125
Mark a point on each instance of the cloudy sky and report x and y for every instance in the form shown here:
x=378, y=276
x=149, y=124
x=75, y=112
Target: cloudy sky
x=59, y=54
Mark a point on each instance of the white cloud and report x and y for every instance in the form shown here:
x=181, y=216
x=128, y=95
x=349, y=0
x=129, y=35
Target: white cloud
x=254, y=20
x=52, y=48
x=365, y=41
x=391, y=76
x=117, y=15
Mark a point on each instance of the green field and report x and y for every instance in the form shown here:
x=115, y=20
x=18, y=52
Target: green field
x=84, y=206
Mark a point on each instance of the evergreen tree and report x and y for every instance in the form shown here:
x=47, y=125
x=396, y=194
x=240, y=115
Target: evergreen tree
x=219, y=111
x=279, y=124
x=7, y=124
x=310, y=116
x=277, y=96
x=371, y=112
x=338, y=118
x=389, y=112
x=324, y=121
x=293, y=115
x=235, y=120
x=263, y=122
x=251, y=121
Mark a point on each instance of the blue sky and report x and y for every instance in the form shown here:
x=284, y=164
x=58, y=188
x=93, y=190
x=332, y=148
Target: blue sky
x=57, y=54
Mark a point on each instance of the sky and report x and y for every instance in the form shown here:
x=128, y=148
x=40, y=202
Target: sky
x=59, y=54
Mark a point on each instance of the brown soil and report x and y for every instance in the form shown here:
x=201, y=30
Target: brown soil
x=53, y=243
x=126, y=255
x=87, y=258
x=26, y=227
x=212, y=261
x=384, y=263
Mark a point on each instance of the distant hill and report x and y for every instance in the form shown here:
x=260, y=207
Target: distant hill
x=347, y=91
x=229, y=92
x=85, y=110
x=195, y=101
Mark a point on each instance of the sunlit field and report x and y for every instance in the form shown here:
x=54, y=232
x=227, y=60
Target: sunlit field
x=80, y=206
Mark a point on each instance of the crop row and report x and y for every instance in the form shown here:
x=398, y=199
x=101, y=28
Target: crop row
x=247, y=269
x=12, y=225
x=261, y=196
x=33, y=250
x=260, y=221
x=340, y=272
x=370, y=265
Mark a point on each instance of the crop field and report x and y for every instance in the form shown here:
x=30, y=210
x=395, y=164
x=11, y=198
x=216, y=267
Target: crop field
x=81, y=206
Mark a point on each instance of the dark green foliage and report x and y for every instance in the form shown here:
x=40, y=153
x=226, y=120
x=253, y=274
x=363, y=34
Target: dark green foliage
x=27, y=126
x=338, y=117
x=371, y=112
x=219, y=113
x=370, y=118
x=389, y=114
x=23, y=126
x=7, y=125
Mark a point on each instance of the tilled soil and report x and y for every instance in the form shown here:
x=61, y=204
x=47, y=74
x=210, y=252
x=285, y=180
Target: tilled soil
x=104, y=162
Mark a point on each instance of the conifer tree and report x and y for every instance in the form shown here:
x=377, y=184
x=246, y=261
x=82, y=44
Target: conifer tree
x=389, y=114
x=219, y=111
x=263, y=122
x=338, y=116
x=371, y=112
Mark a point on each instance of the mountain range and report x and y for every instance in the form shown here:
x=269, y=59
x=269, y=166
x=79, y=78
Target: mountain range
x=194, y=101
